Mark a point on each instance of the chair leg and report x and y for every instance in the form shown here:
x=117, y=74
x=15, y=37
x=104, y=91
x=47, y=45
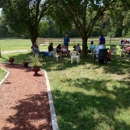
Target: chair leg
x=71, y=60
x=77, y=60
x=94, y=58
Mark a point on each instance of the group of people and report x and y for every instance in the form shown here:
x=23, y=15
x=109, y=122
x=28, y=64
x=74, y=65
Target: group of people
x=122, y=42
x=64, y=48
x=125, y=50
x=93, y=49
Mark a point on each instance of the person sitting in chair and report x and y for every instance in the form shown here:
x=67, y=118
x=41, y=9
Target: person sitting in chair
x=50, y=47
x=97, y=49
x=35, y=48
x=125, y=51
x=92, y=47
x=77, y=48
x=64, y=51
x=58, y=48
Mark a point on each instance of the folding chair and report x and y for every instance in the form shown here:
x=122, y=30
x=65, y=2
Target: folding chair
x=102, y=56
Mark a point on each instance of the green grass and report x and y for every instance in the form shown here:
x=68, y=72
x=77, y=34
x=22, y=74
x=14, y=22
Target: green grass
x=88, y=96
x=15, y=44
x=92, y=97
x=2, y=74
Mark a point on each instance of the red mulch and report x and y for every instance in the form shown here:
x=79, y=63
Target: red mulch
x=23, y=100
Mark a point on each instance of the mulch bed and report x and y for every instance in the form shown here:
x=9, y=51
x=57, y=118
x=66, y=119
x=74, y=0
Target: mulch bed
x=23, y=100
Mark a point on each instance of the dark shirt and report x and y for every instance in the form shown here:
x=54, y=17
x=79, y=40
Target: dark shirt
x=58, y=48
x=66, y=41
x=102, y=40
x=50, y=48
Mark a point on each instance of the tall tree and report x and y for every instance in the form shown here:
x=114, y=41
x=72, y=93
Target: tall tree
x=24, y=16
x=84, y=14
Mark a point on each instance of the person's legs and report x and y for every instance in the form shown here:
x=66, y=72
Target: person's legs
x=67, y=48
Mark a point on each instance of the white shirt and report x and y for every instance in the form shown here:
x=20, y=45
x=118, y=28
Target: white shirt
x=99, y=47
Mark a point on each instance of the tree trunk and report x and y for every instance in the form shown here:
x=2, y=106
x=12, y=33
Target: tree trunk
x=84, y=46
x=34, y=34
x=33, y=39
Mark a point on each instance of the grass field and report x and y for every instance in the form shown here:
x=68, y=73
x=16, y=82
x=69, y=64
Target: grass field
x=87, y=96
x=2, y=74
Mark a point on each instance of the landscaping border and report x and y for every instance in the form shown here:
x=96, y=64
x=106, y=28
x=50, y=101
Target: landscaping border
x=52, y=109
x=7, y=73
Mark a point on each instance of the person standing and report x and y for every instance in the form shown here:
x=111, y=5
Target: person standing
x=102, y=40
x=66, y=41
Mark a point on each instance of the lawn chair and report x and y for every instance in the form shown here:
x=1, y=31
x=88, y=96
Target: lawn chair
x=102, y=56
x=75, y=55
x=56, y=56
x=113, y=49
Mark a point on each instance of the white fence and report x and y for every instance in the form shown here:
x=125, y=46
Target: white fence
x=74, y=41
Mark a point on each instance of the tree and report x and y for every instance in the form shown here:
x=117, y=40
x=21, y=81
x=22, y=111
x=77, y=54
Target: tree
x=24, y=16
x=84, y=14
x=2, y=2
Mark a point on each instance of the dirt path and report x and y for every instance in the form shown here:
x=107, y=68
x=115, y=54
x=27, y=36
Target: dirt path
x=8, y=52
x=23, y=100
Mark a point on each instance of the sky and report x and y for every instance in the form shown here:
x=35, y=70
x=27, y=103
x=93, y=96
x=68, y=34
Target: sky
x=0, y=11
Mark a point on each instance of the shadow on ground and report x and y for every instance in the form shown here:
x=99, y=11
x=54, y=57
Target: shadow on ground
x=92, y=111
x=32, y=113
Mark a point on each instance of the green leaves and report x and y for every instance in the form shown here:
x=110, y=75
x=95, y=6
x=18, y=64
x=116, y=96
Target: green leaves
x=25, y=16
x=35, y=60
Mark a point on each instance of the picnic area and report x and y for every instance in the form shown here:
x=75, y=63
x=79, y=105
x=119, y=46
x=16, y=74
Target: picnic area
x=86, y=95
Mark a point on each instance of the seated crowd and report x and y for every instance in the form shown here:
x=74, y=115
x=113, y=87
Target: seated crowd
x=64, y=51
x=122, y=42
x=125, y=51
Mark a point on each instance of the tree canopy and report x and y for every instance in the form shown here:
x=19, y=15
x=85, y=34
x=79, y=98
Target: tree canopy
x=24, y=17
x=86, y=16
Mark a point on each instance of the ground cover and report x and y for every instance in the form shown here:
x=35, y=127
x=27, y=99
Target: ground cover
x=2, y=74
x=89, y=96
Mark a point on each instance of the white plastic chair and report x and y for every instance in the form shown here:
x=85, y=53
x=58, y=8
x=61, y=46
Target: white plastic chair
x=55, y=56
x=75, y=55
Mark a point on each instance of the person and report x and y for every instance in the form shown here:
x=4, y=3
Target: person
x=35, y=48
x=77, y=48
x=92, y=46
x=97, y=49
x=50, y=47
x=74, y=48
x=66, y=41
x=58, y=48
x=125, y=51
x=102, y=40
x=122, y=42
x=64, y=51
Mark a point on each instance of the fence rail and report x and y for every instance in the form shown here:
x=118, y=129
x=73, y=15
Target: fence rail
x=74, y=41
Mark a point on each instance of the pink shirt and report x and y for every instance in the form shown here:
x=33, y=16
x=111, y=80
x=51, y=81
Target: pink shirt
x=127, y=48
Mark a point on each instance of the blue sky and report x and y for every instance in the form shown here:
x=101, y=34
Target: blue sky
x=0, y=11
